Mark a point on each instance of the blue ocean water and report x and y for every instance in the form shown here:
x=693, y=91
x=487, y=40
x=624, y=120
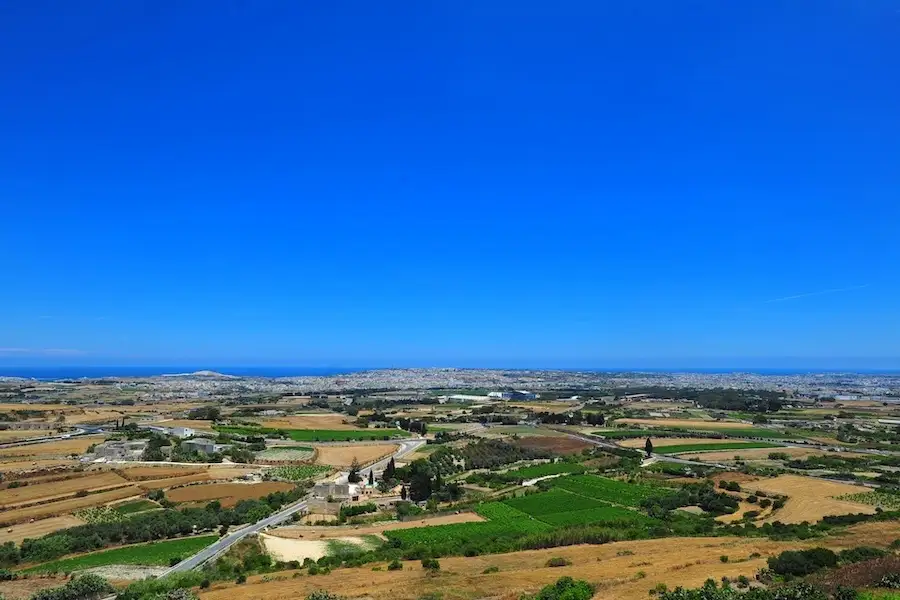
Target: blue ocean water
x=96, y=372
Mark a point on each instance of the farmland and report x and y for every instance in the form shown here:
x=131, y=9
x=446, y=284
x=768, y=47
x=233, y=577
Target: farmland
x=320, y=435
x=681, y=448
x=536, y=471
x=17, y=533
x=343, y=456
x=298, y=472
x=504, y=522
x=228, y=494
x=286, y=454
x=64, y=507
x=57, y=489
x=153, y=554
x=885, y=500
x=329, y=421
x=810, y=499
x=607, y=490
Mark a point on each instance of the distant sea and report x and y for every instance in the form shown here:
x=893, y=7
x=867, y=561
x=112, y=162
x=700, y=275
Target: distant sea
x=48, y=373
x=81, y=372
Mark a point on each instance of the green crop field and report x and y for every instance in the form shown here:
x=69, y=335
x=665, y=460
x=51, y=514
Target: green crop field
x=554, y=501
x=681, y=448
x=129, y=508
x=152, y=554
x=536, y=471
x=504, y=522
x=298, y=472
x=319, y=435
x=608, y=490
x=624, y=434
x=603, y=514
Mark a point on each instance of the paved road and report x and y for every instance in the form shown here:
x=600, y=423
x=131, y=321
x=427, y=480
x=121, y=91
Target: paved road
x=222, y=544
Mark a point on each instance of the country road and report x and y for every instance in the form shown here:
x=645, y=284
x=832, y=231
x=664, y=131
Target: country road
x=223, y=543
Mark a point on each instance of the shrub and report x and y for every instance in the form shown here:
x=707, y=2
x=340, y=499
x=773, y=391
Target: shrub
x=322, y=595
x=752, y=499
x=723, y=558
x=395, y=565
x=559, y=561
x=431, y=564
x=891, y=581
x=802, y=562
x=241, y=579
x=855, y=555
x=174, y=561
x=204, y=584
x=494, y=569
x=566, y=588
x=765, y=503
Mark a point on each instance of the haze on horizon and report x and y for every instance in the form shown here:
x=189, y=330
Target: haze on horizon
x=576, y=184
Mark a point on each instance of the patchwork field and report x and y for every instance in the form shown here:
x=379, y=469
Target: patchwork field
x=228, y=494
x=810, y=499
x=313, y=532
x=558, y=444
x=310, y=421
x=613, y=567
x=57, y=489
x=54, y=449
x=320, y=435
x=157, y=553
x=17, y=533
x=686, y=423
x=63, y=507
x=661, y=442
x=682, y=448
x=342, y=456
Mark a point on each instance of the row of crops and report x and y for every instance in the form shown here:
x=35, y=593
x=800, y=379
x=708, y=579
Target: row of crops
x=298, y=472
x=681, y=448
x=573, y=500
x=885, y=500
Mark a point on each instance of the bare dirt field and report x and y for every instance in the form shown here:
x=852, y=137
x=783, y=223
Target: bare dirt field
x=675, y=561
x=686, y=423
x=22, y=589
x=314, y=533
x=64, y=507
x=162, y=471
x=311, y=421
x=667, y=441
x=54, y=449
x=342, y=456
x=562, y=445
x=14, y=435
x=20, y=465
x=228, y=494
x=57, y=489
x=285, y=549
x=754, y=453
x=37, y=529
x=809, y=499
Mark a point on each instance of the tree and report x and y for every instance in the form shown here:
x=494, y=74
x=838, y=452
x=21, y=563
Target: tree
x=420, y=486
x=648, y=447
x=389, y=471
x=354, y=476
x=371, y=477
x=403, y=493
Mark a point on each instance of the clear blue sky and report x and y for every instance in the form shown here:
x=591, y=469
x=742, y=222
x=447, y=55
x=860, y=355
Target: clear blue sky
x=450, y=183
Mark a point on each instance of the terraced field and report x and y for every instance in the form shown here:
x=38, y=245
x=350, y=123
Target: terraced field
x=152, y=554
x=682, y=448
x=607, y=490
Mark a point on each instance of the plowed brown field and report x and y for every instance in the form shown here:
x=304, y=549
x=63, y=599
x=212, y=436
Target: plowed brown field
x=142, y=473
x=313, y=421
x=57, y=489
x=342, y=456
x=228, y=494
x=37, y=529
x=64, y=507
x=810, y=499
x=674, y=561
